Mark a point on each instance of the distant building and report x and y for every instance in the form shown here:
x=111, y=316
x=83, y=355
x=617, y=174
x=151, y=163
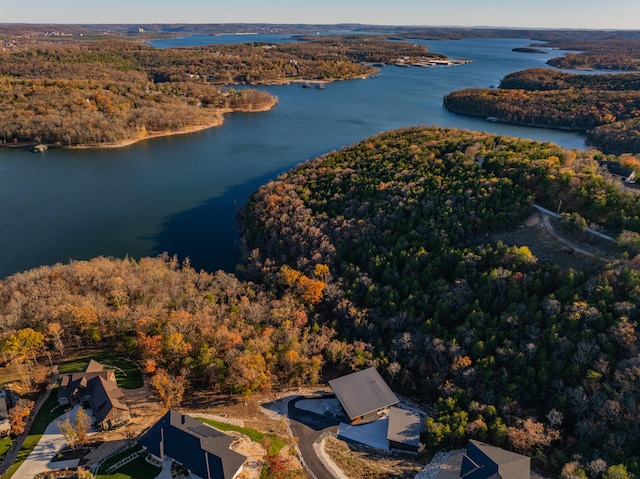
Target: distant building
x=97, y=387
x=203, y=450
x=363, y=395
x=483, y=461
x=626, y=175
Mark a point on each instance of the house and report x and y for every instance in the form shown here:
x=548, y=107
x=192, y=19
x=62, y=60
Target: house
x=363, y=395
x=97, y=387
x=203, y=450
x=403, y=432
x=626, y=175
x=374, y=418
x=5, y=425
x=483, y=461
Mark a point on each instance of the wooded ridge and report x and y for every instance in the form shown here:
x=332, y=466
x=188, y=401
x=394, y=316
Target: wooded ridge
x=605, y=106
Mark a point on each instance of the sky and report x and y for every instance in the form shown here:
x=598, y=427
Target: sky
x=593, y=14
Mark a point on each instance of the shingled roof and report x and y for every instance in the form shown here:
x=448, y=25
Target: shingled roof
x=363, y=392
x=104, y=395
x=198, y=447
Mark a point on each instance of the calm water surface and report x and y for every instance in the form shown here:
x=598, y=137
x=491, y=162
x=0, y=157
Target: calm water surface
x=179, y=194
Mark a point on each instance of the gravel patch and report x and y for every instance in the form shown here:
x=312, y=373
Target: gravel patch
x=442, y=462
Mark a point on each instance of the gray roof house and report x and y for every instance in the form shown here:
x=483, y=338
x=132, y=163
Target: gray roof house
x=403, y=432
x=483, y=461
x=203, y=450
x=363, y=395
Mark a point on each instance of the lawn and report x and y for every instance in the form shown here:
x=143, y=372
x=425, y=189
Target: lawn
x=5, y=444
x=115, y=458
x=136, y=469
x=48, y=412
x=271, y=442
x=127, y=373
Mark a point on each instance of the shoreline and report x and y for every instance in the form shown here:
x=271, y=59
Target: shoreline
x=219, y=121
x=190, y=129
x=193, y=128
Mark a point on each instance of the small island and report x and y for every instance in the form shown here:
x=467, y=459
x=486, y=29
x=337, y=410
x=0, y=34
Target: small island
x=527, y=50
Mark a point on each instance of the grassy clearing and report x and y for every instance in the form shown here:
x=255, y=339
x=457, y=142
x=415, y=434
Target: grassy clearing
x=136, y=469
x=271, y=442
x=48, y=413
x=127, y=373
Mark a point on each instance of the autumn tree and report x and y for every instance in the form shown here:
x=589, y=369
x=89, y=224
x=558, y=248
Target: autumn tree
x=528, y=434
x=25, y=342
x=169, y=388
x=81, y=424
x=75, y=431
x=54, y=329
x=17, y=415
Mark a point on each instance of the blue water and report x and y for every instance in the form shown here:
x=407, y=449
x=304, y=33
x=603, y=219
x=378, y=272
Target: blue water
x=179, y=194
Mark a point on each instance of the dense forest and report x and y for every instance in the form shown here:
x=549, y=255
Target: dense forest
x=218, y=332
x=70, y=91
x=616, y=52
x=507, y=348
x=605, y=106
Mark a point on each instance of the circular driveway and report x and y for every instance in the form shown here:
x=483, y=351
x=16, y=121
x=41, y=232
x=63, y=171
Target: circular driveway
x=50, y=444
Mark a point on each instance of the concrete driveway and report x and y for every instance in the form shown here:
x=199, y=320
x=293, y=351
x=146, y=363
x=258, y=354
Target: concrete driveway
x=51, y=443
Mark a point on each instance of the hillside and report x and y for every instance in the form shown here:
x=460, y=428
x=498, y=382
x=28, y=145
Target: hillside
x=501, y=343
x=604, y=106
x=406, y=252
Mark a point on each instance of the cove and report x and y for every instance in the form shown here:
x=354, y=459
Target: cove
x=179, y=194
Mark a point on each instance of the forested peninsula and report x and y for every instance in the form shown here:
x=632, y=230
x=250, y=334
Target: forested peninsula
x=505, y=346
x=74, y=90
x=394, y=253
x=604, y=106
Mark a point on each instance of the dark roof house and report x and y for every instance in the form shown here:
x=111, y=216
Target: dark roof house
x=403, y=432
x=200, y=448
x=363, y=394
x=483, y=461
x=97, y=387
x=614, y=169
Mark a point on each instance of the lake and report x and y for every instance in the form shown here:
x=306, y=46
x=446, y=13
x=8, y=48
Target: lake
x=179, y=194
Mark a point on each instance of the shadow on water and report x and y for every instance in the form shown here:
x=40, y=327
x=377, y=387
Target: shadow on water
x=208, y=233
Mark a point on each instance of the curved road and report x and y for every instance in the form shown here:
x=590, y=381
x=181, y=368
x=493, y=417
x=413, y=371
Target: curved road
x=310, y=427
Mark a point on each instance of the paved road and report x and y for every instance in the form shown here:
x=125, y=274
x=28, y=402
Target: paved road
x=51, y=442
x=309, y=427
